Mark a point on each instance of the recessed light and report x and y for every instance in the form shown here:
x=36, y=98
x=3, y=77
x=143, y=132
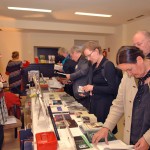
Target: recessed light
x=30, y=9
x=92, y=14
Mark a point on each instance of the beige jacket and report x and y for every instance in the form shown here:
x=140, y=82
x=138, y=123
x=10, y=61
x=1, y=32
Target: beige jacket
x=123, y=105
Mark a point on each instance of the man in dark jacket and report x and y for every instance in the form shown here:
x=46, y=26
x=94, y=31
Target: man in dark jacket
x=68, y=68
x=80, y=77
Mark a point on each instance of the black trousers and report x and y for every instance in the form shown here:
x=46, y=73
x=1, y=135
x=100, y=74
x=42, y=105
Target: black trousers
x=1, y=136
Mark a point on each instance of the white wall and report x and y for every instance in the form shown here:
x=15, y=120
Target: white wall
x=25, y=42
x=114, y=42
x=123, y=35
x=133, y=27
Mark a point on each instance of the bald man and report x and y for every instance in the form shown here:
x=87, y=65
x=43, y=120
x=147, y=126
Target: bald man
x=141, y=39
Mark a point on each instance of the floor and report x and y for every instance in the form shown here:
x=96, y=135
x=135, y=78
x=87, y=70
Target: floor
x=10, y=143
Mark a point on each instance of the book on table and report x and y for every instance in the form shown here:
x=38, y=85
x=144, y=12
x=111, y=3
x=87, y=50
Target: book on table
x=59, y=117
x=81, y=143
x=85, y=127
x=59, y=109
x=63, y=120
x=57, y=102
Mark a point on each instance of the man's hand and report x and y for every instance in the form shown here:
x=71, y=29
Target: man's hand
x=102, y=133
x=141, y=144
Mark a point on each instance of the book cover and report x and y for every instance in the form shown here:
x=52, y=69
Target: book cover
x=72, y=123
x=72, y=109
x=60, y=124
x=57, y=102
x=79, y=113
x=58, y=67
x=51, y=96
x=59, y=117
x=88, y=118
x=91, y=126
x=59, y=120
x=59, y=109
x=81, y=143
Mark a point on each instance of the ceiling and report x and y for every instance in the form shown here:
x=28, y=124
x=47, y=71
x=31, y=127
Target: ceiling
x=122, y=11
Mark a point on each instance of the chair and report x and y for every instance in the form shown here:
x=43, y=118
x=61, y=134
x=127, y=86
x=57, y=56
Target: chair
x=14, y=109
x=13, y=103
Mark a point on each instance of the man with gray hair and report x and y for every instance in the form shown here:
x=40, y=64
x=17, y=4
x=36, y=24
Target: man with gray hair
x=141, y=39
x=80, y=77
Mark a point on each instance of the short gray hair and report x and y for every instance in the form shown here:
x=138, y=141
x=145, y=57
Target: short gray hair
x=62, y=50
x=77, y=49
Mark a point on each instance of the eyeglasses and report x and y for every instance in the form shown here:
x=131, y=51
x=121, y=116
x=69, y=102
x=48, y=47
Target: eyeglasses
x=89, y=55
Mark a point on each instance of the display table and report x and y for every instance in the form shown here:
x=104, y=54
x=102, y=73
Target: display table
x=43, y=123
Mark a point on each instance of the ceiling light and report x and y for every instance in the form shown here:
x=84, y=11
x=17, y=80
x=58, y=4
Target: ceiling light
x=30, y=9
x=92, y=14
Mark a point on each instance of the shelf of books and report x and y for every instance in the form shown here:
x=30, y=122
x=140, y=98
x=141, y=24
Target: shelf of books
x=71, y=123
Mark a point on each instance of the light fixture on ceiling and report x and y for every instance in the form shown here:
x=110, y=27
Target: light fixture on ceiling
x=30, y=9
x=92, y=14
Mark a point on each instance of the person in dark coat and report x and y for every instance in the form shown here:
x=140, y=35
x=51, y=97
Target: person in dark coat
x=68, y=67
x=67, y=63
x=80, y=77
x=101, y=91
